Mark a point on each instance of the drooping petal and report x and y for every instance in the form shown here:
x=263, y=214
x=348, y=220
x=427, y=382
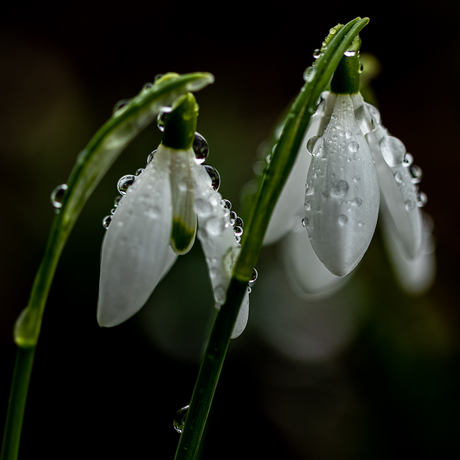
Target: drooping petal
x=398, y=191
x=217, y=238
x=136, y=249
x=416, y=274
x=288, y=210
x=342, y=194
x=184, y=217
x=308, y=277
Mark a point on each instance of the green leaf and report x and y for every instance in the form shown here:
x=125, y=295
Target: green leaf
x=92, y=163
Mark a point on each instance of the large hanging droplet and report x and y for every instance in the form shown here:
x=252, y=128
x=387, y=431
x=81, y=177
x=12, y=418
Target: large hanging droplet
x=214, y=175
x=57, y=196
x=179, y=419
x=124, y=183
x=254, y=277
x=201, y=148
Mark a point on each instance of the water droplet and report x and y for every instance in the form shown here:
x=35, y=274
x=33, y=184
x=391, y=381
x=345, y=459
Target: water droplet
x=161, y=118
x=357, y=202
x=150, y=157
x=124, y=183
x=179, y=419
x=316, y=53
x=237, y=230
x=393, y=150
x=356, y=179
x=120, y=104
x=353, y=146
x=139, y=171
x=116, y=201
x=340, y=188
x=343, y=219
x=309, y=74
x=147, y=86
x=314, y=145
x=106, y=221
x=350, y=53
x=408, y=160
x=215, y=226
x=57, y=196
x=214, y=175
x=201, y=149
x=416, y=173
x=305, y=222
x=310, y=190
x=307, y=206
x=203, y=207
x=348, y=134
x=361, y=67
x=398, y=177
x=422, y=199
x=232, y=217
x=226, y=204
x=239, y=222
x=158, y=76
x=112, y=211
x=410, y=205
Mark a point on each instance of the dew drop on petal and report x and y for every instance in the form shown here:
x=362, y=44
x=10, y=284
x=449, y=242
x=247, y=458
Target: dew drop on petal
x=422, y=199
x=57, y=196
x=150, y=157
x=200, y=148
x=398, y=177
x=179, y=419
x=226, y=204
x=124, y=183
x=239, y=222
x=214, y=175
x=408, y=160
x=310, y=190
x=410, y=205
x=305, y=222
x=353, y=146
x=238, y=231
x=357, y=202
x=340, y=188
x=343, y=219
x=139, y=171
x=416, y=173
x=106, y=221
x=116, y=201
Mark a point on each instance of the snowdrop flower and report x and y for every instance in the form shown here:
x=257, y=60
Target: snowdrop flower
x=156, y=220
x=348, y=168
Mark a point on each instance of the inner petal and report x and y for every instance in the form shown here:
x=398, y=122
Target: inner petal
x=184, y=218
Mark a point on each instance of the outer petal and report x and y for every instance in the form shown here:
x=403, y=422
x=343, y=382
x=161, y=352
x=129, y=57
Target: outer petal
x=307, y=275
x=398, y=192
x=342, y=195
x=289, y=208
x=217, y=239
x=136, y=248
x=415, y=275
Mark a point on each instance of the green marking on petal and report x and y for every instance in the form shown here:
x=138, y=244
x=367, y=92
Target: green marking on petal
x=182, y=236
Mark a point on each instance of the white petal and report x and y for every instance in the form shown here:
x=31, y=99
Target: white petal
x=136, y=248
x=184, y=218
x=288, y=210
x=307, y=275
x=398, y=192
x=242, y=318
x=342, y=196
x=217, y=237
x=415, y=275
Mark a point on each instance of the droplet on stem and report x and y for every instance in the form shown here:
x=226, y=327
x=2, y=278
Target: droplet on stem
x=179, y=419
x=57, y=196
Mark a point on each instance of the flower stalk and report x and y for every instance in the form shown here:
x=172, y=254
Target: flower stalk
x=283, y=158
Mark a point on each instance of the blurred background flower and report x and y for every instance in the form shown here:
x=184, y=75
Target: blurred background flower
x=367, y=373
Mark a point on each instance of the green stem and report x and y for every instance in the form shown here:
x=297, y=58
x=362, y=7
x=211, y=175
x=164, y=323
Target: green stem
x=276, y=175
x=17, y=403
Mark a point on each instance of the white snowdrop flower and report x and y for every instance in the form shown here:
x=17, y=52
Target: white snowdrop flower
x=348, y=168
x=156, y=220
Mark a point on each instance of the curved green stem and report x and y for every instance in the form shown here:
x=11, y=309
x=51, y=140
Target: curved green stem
x=275, y=177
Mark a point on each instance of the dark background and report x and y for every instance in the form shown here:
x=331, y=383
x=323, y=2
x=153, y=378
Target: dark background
x=369, y=373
